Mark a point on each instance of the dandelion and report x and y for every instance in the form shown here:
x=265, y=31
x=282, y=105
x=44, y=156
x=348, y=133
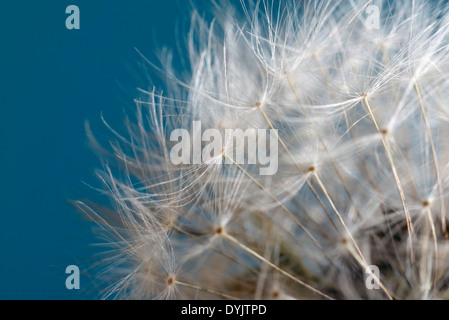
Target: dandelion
x=361, y=123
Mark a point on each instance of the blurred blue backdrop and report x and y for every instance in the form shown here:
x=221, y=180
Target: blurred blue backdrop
x=51, y=81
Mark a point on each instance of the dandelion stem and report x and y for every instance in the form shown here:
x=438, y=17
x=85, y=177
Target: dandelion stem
x=303, y=228
x=285, y=273
x=434, y=155
x=365, y=266
x=395, y=175
x=281, y=141
x=306, y=113
x=320, y=183
x=192, y=286
x=435, y=243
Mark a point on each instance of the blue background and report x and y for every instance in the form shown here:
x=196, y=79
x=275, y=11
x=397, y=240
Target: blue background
x=51, y=81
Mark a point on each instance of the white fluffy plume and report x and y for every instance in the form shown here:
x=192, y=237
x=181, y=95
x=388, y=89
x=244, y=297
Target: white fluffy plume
x=363, y=161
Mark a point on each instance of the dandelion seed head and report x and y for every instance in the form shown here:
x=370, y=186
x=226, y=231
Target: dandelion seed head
x=362, y=129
